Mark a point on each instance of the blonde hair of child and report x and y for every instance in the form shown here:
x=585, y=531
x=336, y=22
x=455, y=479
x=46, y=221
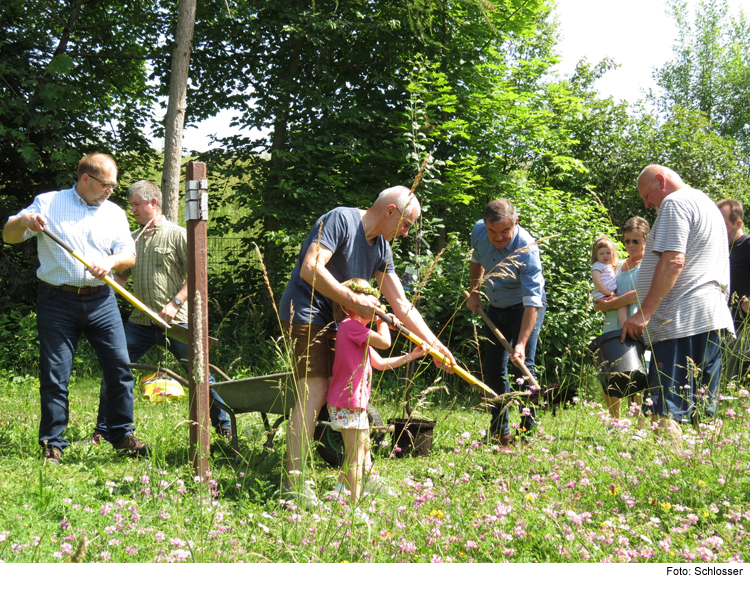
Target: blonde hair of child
x=357, y=285
x=601, y=242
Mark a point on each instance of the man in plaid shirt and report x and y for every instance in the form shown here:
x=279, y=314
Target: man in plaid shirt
x=160, y=282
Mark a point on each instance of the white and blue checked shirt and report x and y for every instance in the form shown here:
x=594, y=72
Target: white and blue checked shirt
x=93, y=232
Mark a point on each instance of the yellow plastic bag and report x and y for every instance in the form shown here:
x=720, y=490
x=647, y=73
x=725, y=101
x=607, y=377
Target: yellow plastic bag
x=158, y=387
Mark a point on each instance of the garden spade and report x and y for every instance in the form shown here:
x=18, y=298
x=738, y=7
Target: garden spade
x=175, y=331
x=491, y=325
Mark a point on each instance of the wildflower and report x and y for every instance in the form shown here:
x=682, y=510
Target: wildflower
x=666, y=506
x=160, y=537
x=526, y=411
x=520, y=381
x=407, y=547
x=65, y=524
x=701, y=483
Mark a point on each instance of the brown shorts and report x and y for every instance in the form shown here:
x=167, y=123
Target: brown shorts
x=315, y=360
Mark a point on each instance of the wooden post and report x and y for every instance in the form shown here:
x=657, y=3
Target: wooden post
x=196, y=215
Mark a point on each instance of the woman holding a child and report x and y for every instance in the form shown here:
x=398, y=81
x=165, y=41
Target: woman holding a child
x=635, y=231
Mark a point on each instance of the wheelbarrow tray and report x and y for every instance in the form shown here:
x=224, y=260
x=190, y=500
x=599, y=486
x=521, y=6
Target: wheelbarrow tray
x=272, y=394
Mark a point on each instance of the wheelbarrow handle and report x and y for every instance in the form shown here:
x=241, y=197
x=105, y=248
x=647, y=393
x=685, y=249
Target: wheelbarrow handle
x=436, y=354
x=491, y=325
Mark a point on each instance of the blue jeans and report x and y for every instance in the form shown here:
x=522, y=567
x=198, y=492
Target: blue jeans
x=62, y=317
x=139, y=340
x=495, y=361
x=673, y=365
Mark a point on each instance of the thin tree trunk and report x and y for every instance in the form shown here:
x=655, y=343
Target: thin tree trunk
x=175, y=119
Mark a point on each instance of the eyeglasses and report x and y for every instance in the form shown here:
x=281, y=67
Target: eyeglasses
x=107, y=186
x=633, y=242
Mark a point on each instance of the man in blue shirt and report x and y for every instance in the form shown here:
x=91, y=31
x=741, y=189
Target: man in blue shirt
x=73, y=300
x=344, y=243
x=506, y=259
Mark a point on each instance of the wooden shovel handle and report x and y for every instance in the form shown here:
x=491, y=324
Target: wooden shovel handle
x=518, y=363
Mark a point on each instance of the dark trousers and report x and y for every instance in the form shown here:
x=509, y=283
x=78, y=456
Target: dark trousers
x=495, y=361
x=684, y=377
x=139, y=340
x=62, y=318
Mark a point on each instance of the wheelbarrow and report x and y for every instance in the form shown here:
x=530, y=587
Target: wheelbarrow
x=275, y=394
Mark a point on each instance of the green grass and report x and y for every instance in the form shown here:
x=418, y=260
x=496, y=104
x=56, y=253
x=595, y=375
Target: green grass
x=578, y=493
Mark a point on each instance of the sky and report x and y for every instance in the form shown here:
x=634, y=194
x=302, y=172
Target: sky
x=638, y=34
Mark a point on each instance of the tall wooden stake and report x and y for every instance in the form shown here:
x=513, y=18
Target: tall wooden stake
x=196, y=215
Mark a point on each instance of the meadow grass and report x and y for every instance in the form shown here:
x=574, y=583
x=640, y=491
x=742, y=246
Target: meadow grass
x=579, y=493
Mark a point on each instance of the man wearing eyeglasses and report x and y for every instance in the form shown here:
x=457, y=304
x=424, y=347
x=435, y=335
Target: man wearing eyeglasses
x=682, y=287
x=73, y=300
x=344, y=243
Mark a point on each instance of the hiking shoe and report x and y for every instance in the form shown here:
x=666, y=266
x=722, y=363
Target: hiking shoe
x=225, y=433
x=376, y=485
x=98, y=437
x=52, y=454
x=132, y=446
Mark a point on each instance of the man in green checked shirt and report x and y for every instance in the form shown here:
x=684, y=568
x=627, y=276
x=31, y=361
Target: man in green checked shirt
x=160, y=282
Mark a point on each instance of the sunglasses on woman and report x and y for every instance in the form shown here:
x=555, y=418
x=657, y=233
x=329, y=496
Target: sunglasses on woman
x=633, y=242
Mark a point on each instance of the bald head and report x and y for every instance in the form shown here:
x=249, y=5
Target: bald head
x=400, y=196
x=656, y=182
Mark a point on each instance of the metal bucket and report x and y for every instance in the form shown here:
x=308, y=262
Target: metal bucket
x=620, y=365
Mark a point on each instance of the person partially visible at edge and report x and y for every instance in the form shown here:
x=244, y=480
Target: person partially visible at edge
x=683, y=287
x=739, y=286
x=634, y=234
x=159, y=281
x=344, y=243
x=506, y=259
x=73, y=300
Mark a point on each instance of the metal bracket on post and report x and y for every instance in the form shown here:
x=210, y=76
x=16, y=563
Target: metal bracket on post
x=196, y=200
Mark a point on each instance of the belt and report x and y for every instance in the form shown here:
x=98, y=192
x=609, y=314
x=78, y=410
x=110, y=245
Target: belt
x=78, y=290
x=513, y=307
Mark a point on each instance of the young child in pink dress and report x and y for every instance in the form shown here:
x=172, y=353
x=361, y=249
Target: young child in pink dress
x=351, y=383
x=604, y=262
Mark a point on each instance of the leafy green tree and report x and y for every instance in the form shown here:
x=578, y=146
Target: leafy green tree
x=710, y=71
x=74, y=79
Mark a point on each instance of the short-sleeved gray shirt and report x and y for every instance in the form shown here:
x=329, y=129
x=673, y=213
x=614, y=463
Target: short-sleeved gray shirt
x=690, y=223
x=340, y=230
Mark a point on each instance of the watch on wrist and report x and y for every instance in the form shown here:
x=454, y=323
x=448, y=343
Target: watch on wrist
x=177, y=302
